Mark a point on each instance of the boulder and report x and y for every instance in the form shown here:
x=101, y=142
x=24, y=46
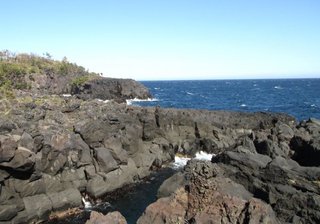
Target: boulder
x=28, y=188
x=115, y=146
x=281, y=182
x=284, y=132
x=23, y=160
x=171, y=184
x=105, y=160
x=27, y=141
x=104, y=183
x=7, y=148
x=110, y=218
x=269, y=148
x=65, y=199
x=38, y=206
x=93, y=131
x=167, y=210
x=52, y=183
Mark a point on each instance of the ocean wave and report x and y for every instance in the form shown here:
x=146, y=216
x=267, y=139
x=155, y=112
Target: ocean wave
x=86, y=203
x=130, y=101
x=181, y=161
x=277, y=87
x=204, y=156
x=189, y=93
x=243, y=105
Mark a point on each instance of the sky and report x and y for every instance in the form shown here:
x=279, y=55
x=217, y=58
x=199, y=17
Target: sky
x=170, y=39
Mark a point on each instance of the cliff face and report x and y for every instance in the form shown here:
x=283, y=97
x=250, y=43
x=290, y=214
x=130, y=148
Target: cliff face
x=107, y=89
x=43, y=76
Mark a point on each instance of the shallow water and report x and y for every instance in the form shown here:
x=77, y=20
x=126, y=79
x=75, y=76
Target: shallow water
x=130, y=202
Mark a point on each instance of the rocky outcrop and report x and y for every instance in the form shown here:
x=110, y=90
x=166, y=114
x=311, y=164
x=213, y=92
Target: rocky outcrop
x=272, y=170
x=108, y=88
x=208, y=197
x=55, y=148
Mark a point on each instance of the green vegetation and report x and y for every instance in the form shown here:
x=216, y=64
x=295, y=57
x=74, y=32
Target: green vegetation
x=80, y=80
x=18, y=71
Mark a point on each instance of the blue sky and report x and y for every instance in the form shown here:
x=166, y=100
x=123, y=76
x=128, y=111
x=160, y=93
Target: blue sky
x=171, y=39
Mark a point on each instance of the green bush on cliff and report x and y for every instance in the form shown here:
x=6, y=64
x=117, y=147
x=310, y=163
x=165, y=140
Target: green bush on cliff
x=81, y=80
x=16, y=70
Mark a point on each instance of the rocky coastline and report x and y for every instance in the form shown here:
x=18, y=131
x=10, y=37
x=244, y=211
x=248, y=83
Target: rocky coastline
x=270, y=176
x=57, y=148
x=54, y=149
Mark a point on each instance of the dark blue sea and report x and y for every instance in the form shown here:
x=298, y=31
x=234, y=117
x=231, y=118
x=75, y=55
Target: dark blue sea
x=297, y=97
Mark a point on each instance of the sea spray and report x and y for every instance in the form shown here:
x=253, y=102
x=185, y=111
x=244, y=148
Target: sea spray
x=181, y=160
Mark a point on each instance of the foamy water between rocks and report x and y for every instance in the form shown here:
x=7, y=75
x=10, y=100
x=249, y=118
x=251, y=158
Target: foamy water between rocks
x=181, y=161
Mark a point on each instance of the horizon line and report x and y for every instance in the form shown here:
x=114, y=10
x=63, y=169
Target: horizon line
x=226, y=79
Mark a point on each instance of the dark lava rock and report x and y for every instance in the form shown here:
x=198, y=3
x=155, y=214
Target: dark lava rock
x=208, y=197
x=107, y=89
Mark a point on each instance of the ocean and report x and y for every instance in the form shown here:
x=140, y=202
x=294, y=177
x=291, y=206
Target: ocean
x=297, y=97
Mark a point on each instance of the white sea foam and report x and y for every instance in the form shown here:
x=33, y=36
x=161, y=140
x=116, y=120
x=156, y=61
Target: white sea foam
x=243, y=105
x=189, y=93
x=86, y=203
x=278, y=87
x=129, y=102
x=156, y=88
x=180, y=161
x=204, y=156
x=104, y=101
x=313, y=105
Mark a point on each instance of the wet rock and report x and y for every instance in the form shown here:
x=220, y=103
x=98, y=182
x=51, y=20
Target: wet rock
x=171, y=184
x=110, y=218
